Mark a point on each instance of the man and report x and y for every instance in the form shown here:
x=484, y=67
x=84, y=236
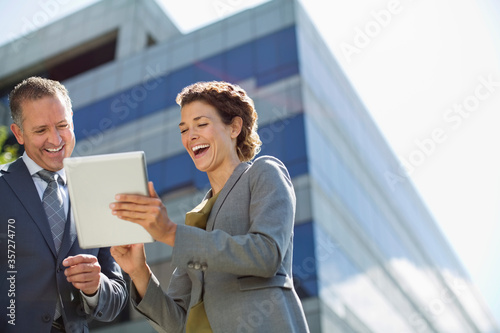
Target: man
x=50, y=284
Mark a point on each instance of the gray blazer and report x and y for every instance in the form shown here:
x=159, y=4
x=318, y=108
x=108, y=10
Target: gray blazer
x=241, y=266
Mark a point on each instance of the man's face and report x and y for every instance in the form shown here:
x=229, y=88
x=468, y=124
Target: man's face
x=47, y=133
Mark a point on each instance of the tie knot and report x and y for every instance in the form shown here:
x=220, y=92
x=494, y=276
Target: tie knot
x=49, y=176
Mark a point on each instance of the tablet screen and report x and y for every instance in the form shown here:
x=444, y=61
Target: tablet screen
x=93, y=182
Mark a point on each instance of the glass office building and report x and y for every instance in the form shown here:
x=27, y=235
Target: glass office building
x=368, y=256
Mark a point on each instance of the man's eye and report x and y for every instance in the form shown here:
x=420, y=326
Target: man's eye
x=183, y=131
x=201, y=125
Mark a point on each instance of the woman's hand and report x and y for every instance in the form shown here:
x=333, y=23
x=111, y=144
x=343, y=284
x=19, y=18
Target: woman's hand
x=132, y=259
x=149, y=212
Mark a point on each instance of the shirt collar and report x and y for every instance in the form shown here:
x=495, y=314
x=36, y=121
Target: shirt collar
x=33, y=168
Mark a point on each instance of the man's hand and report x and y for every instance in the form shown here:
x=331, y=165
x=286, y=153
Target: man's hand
x=84, y=272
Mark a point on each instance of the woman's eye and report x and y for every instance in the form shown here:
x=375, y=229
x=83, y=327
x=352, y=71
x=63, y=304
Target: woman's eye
x=183, y=131
x=201, y=125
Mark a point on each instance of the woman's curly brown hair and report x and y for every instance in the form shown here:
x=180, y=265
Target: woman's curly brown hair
x=230, y=101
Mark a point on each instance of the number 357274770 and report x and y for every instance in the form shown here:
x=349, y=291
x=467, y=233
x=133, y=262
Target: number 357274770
x=11, y=244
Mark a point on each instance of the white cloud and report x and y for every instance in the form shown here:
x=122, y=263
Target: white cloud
x=373, y=299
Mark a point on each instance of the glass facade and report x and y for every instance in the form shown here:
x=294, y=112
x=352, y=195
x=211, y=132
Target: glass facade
x=368, y=256
x=391, y=269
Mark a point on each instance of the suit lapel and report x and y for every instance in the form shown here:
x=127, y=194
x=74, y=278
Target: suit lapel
x=237, y=173
x=21, y=183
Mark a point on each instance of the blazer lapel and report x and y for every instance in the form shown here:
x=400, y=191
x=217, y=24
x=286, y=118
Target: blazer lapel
x=237, y=173
x=19, y=179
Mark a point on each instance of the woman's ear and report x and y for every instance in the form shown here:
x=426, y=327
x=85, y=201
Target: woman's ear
x=236, y=125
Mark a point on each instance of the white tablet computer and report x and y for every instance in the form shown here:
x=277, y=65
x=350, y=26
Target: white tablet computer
x=93, y=182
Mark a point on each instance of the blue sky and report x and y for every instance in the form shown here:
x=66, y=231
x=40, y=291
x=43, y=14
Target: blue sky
x=429, y=73
x=419, y=75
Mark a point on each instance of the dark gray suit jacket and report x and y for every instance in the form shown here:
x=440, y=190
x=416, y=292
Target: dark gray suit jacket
x=39, y=274
x=241, y=266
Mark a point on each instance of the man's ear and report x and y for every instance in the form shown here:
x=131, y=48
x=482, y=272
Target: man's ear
x=18, y=133
x=236, y=125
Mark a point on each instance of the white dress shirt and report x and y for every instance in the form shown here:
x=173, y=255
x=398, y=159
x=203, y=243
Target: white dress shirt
x=90, y=302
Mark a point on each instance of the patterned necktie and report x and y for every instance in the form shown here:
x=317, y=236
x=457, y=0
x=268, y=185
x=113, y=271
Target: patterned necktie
x=53, y=205
x=54, y=209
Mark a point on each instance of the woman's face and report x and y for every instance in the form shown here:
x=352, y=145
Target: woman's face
x=210, y=143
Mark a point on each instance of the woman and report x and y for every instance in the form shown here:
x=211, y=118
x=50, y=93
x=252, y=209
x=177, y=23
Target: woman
x=233, y=256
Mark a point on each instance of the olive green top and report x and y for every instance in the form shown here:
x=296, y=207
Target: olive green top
x=197, y=321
